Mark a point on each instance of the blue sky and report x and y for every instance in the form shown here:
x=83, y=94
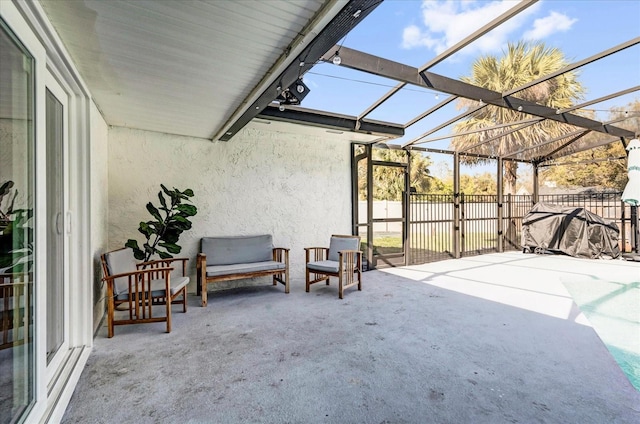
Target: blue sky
x=414, y=31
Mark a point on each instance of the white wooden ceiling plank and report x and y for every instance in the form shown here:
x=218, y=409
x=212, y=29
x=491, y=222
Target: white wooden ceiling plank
x=176, y=66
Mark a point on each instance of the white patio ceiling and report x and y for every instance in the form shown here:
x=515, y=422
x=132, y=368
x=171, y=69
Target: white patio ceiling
x=184, y=67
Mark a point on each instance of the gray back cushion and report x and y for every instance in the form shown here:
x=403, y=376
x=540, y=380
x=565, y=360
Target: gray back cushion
x=237, y=249
x=342, y=243
x=119, y=262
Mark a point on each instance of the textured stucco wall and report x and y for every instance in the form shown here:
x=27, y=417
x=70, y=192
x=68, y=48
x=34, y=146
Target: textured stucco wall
x=99, y=207
x=296, y=187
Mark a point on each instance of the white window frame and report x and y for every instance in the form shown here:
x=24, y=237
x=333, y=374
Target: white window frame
x=52, y=392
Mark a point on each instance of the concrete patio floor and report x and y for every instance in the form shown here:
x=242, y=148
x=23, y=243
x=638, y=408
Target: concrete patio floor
x=488, y=339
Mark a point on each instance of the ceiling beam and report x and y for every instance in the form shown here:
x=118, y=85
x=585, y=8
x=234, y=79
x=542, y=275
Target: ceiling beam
x=587, y=161
x=575, y=65
x=564, y=146
x=430, y=111
x=299, y=115
x=519, y=7
x=493, y=127
x=444, y=125
x=469, y=91
x=350, y=15
x=581, y=149
x=601, y=99
x=376, y=65
x=580, y=132
x=502, y=134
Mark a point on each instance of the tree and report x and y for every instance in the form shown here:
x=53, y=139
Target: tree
x=599, y=167
x=521, y=63
x=388, y=182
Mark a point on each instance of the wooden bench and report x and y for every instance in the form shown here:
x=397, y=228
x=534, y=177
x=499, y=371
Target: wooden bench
x=237, y=257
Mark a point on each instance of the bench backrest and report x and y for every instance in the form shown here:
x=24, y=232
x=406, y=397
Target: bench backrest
x=237, y=249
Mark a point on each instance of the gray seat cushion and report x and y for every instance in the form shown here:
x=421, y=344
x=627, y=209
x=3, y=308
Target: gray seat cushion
x=218, y=270
x=324, y=266
x=237, y=249
x=342, y=243
x=158, y=287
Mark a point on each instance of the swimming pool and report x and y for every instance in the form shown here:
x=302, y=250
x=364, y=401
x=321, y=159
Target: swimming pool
x=613, y=309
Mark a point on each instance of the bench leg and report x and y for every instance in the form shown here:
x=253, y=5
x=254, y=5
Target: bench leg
x=286, y=279
x=203, y=295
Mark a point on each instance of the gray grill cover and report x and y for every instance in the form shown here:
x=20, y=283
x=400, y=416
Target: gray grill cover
x=569, y=230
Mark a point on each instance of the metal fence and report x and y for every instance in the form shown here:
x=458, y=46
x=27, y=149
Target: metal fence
x=432, y=225
x=430, y=228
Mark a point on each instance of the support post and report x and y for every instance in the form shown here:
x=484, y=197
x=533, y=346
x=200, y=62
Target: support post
x=500, y=198
x=370, y=264
x=407, y=209
x=536, y=183
x=456, y=205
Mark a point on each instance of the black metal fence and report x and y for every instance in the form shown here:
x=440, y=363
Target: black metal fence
x=433, y=235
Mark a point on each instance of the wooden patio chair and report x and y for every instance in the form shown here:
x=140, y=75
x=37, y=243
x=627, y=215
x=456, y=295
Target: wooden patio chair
x=15, y=305
x=342, y=259
x=137, y=287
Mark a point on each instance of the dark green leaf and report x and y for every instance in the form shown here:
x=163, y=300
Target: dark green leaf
x=6, y=188
x=171, y=235
x=133, y=244
x=154, y=211
x=146, y=229
x=164, y=255
x=178, y=218
x=171, y=248
x=180, y=226
x=166, y=190
x=187, y=210
x=138, y=254
x=188, y=192
x=163, y=202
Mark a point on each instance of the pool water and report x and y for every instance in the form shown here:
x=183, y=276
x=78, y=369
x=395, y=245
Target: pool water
x=613, y=309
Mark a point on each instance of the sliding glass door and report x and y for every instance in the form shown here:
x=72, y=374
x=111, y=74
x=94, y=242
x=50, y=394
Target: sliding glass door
x=17, y=196
x=57, y=287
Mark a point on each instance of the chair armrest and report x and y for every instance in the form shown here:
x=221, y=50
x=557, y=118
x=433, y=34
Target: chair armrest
x=313, y=254
x=201, y=261
x=281, y=254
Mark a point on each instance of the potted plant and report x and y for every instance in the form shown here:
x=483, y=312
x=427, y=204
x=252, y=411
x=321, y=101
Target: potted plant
x=170, y=219
x=16, y=242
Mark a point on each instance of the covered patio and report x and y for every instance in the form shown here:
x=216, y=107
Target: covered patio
x=488, y=339
x=101, y=102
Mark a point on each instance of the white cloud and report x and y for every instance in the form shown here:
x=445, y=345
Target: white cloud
x=448, y=22
x=543, y=27
x=412, y=37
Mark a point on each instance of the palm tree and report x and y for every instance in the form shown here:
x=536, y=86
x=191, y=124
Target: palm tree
x=388, y=182
x=521, y=63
